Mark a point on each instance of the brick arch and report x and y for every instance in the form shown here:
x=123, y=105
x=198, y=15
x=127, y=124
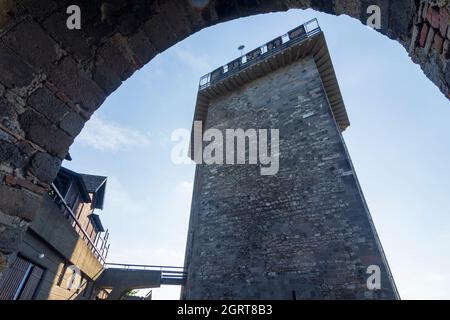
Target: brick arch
x=53, y=79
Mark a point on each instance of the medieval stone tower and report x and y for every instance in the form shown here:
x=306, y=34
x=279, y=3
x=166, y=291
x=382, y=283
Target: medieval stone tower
x=305, y=232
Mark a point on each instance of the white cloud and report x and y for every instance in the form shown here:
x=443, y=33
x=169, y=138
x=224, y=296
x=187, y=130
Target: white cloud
x=110, y=136
x=197, y=62
x=186, y=186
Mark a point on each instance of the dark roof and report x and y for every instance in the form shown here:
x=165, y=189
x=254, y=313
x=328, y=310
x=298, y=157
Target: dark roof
x=88, y=183
x=93, y=183
x=96, y=222
x=97, y=186
x=79, y=181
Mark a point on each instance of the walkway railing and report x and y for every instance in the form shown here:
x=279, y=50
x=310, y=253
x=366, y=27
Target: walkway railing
x=101, y=247
x=169, y=274
x=279, y=44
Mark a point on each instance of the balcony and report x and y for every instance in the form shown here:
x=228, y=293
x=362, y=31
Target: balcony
x=100, y=245
x=279, y=44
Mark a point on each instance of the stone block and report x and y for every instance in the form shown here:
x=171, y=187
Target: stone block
x=29, y=184
x=10, y=154
x=72, y=41
x=438, y=42
x=44, y=101
x=143, y=50
x=45, y=167
x=425, y=10
x=31, y=42
x=8, y=117
x=444, y=21
x=433, y=17
x=429, y=41
x=415, y=34
x=423, y=35
x=106, y=78
x=8, y=13
x=10, y=239
x=37, y=9
x=77, y=85
x=116, y=61
x=446, y=49
x=18, y=202
x=21, y=75
x=40, y=131
x=72, y=124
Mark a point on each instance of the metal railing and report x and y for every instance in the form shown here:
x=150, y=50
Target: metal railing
x=100, y=247
x=169, y=274
x=292, y=37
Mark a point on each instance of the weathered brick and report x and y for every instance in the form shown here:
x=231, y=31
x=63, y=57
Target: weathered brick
x=72, y=124
x=447, y=74
x=37, y=10
x=115, y=60
x=41, y=131
x=433, y=16
x=30, y=184
x=425, y=10
x=429, y=41
x=44, y=101
x=71, y=40
x=438, y=42
x=31, y=42
x=106, y=78
x=76, y=84
x=8, y=117
x=446, y=49
x=18, y=202
x=444, y=21
x=15, y=73
x=141, y=47
x=423, y=35
x=45, y=167
x=10, y=154
x=8, y=13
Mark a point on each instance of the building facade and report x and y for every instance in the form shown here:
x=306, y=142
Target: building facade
x=305, y=232
x=64, y=249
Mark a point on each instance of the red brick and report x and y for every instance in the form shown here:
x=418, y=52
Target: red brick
x=433, y=16
x=438, y=42
x=14, y=181
x=444, y=21
x=423, y=35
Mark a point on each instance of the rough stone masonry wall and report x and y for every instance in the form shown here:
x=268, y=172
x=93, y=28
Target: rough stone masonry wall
x=52, y=79
x=305, y=229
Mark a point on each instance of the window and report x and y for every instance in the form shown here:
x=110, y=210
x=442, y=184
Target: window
x=21, y=280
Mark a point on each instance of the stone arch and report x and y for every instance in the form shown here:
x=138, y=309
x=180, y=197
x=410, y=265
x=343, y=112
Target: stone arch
x=53, y=79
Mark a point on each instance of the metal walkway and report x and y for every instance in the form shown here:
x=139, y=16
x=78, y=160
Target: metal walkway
x=169, y=275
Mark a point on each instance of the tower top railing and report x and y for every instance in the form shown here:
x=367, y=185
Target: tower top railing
x=254, y=56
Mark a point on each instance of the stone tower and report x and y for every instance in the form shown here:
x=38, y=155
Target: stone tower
x=305, y=232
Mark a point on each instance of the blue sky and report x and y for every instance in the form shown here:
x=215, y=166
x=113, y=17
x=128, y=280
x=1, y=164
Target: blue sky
x=399, y=141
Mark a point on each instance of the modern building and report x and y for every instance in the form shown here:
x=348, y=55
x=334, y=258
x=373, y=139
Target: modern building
x=64, y=250
x=63, y=254
x=304, y=232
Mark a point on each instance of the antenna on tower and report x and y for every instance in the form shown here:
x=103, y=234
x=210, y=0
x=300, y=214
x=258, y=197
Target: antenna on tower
x=241, y=47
